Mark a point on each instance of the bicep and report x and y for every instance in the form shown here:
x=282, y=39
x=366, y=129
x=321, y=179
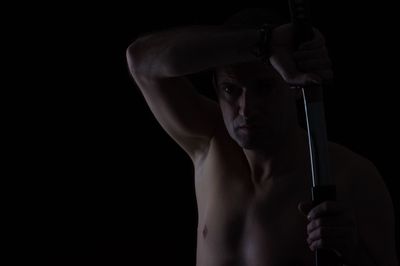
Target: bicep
x=188, y=117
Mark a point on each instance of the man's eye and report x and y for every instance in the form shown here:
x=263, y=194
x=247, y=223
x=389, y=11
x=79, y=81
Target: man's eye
x=230, y=90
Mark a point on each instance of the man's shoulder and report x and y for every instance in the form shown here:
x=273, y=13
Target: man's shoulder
x=220, y=144
x=348, y=157
x=352, y=162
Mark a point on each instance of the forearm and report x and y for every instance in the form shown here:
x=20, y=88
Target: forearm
x=190, y=50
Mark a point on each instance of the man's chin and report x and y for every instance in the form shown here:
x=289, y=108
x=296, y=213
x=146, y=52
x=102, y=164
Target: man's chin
x=256, y=143
x=255, y=139
x=257, y=146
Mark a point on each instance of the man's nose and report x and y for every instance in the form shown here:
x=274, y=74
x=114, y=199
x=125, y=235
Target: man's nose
x=248, y=103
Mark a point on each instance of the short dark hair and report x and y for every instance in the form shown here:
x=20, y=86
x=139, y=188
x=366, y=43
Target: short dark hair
x=251, y=18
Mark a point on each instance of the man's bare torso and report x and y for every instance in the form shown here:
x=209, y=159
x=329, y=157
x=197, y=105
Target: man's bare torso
x=247, y=224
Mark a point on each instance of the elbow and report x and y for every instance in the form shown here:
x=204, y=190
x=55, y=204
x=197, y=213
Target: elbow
x=132, y=57
x=148, y=61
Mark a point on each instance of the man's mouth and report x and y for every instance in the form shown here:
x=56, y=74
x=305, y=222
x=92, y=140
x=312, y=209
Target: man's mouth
x=249, y=126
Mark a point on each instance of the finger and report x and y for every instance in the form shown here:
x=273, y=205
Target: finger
x=338, y=245
x=317, y=41
x=330, y=232
x=326, y=244
x=304, y=207
x=286, y=67
x=329, y=222
x=326, y=208
x=312, y=45
x=317, y=76
x=304, y=79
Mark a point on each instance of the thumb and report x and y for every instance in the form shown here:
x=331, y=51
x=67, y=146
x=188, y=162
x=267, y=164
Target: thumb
x=288, y=70
x=307, y=79
x=311, y=78
x=305, y=207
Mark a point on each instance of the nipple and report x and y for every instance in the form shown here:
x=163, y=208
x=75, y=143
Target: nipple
x=205, y=231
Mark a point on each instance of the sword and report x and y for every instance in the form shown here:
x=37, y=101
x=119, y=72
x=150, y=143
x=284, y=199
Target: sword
x=323, y=187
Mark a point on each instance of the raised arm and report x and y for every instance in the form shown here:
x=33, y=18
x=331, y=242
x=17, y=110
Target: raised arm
x=159, y=64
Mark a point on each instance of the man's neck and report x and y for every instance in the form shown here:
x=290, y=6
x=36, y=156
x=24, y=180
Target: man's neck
x=269, y=164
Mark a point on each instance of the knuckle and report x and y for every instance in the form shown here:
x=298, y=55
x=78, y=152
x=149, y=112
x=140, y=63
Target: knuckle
x=310, y=226
x=318, y=222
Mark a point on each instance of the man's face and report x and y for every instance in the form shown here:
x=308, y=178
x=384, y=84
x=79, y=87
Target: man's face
x=257, y=105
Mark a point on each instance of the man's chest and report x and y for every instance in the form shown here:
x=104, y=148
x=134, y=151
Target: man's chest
x=262, y=229
x=275, y=232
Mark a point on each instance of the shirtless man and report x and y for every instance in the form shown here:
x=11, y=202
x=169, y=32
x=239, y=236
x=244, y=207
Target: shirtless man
x=250, y=156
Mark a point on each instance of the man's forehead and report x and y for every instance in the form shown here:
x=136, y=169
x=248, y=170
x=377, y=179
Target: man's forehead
x=245, y=71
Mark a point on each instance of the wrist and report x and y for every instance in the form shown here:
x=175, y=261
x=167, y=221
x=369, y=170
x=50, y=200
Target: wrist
x=263, y=47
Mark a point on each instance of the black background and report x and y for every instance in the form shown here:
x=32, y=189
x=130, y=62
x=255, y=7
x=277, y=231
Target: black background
x=100, y=183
